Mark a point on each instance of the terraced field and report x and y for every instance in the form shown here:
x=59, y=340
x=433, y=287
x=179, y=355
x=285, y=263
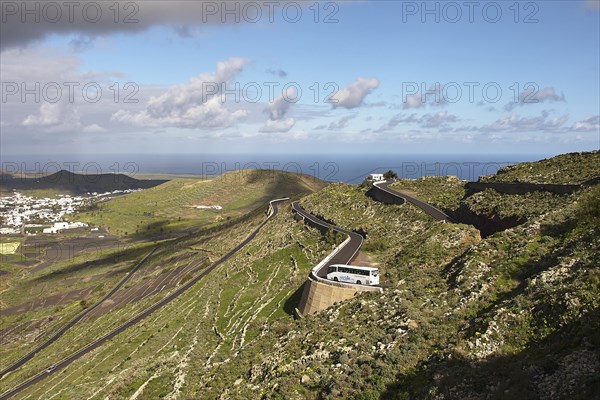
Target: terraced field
x=512, y=314
x=55, y=277
x=215, y=320
x=173, y=206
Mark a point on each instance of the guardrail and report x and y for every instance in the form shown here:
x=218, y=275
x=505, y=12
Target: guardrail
x=314, y=273
x=271, y=209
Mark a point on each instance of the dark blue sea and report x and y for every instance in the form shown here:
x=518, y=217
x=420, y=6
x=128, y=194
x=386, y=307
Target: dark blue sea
x=350, y=168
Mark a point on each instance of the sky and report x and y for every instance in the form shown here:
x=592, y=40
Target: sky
x=305, y=77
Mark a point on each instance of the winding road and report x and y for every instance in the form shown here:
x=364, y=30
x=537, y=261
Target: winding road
x=74, y=320
x=273, y=210
x=346, y=254
x=428, y=208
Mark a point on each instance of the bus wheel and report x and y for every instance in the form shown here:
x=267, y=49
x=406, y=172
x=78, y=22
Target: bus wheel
x=358, y=282
x=335, y=279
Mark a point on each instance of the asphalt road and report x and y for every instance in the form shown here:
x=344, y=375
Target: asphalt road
x=74, y=320
x=428, y=208
x=346, y=254
x=273, y=210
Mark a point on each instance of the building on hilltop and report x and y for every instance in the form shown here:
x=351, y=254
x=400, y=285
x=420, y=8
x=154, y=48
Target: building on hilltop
x=373, y=178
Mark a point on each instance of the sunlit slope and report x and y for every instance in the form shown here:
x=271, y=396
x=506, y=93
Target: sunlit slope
x=215, y=320
x=511, y=314
x=570, y=168
x=177, y=204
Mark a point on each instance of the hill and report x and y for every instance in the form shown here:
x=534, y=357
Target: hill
x=568, y=168
x=514, y=314
x=66, y=181
x=535, y=189
x=181, y=204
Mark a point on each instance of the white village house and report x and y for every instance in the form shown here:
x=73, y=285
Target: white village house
x=59, y=226
x=375, y=177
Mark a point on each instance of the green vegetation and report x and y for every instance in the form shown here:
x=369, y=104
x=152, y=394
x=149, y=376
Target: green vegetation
x=390, y=174
x=513, y=315
x=521, y=205
x=173, y=206
x=442, y=192
x=569, y=168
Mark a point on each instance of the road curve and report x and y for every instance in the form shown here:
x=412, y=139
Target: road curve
x=346, y=254
x=273, y=210
x=428, y=208
x=74, y=320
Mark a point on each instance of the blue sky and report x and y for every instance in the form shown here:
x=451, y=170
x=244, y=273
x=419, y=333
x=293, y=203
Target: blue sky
x=407, y=77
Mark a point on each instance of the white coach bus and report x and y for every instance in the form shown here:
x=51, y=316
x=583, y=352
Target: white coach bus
x=352, y=274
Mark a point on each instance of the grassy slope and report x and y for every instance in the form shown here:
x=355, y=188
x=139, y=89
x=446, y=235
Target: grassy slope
x=169, y=207
x=566, y=168
x=217, y=333
x=442, y=192
x=515, y=314
x=239, y=301
x=97, y=271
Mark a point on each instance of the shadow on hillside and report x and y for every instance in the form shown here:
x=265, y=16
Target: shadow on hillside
x=154, y=231
x=293, y=301
x=120, y=256
x=564, y=365
x=533, y=266
x=286, y=185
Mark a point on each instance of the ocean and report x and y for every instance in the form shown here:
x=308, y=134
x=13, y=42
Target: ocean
x=348, y=168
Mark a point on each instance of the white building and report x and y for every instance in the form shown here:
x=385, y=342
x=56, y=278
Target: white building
x=59, y=226
x=376, y=177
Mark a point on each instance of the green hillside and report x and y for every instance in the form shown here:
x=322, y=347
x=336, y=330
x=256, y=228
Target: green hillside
x=173, y=206
x=569, y=168
x=511, y=315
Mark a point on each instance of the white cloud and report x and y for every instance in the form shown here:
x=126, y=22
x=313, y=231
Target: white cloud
x=413, y=101
x=353, y=95
x=534, y=96
x=49, y=114
x=342, y=123
x=299, y=135
x=277, y=110
x=279, y=107
x=197, y=104
x=439, y=120
x=282, y=125
x=94, y=128
x=515, y=123
x=59, y=117
x=434, y=97
x=590, y=124
x=69, y=113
